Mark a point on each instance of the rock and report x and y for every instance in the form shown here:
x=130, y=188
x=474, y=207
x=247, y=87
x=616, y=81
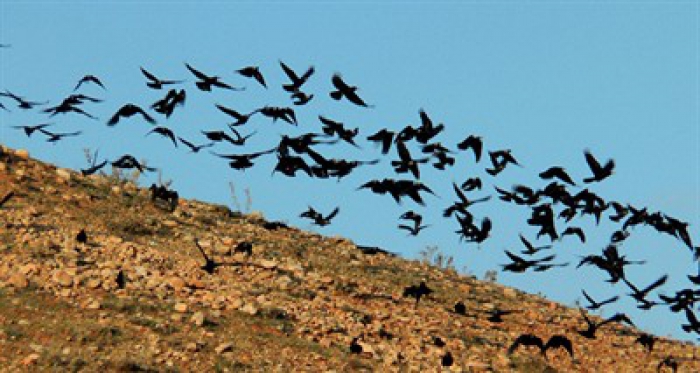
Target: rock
x=22, y=154
x=268, y=264
x=93, y=305
x=250, y=309
x=31, y=359
x=170, y=223
x=180, y=307
x=63, y=174
x=176, y=283
x=62, y=278
x=510, y=292
x=18, y=281
x=198, y=318
x=93, y=283
x=224, y=347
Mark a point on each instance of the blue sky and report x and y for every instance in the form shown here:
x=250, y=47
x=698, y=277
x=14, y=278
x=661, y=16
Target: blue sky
x=545, y=79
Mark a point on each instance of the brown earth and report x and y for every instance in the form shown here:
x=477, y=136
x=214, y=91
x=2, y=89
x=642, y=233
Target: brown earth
x=294, y=305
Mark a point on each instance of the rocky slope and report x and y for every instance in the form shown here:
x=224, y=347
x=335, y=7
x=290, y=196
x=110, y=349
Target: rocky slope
x=134, y=297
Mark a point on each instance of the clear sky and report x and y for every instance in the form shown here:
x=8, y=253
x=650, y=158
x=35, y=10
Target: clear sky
x=545, y=79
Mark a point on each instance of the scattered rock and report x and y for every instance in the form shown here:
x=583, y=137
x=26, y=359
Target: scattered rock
x=18, y=281
x=224, y=347
x=176, y=283
x=22, y=154
x=180, y=307
x=198, y=318
x=31, y=359
x=63, y=174
x=62, y=278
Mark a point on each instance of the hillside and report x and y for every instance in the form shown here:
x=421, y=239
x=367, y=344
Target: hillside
x=135, y=298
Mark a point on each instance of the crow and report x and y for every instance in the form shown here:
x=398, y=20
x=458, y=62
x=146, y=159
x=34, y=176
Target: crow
x=640, y=295
x=128, y=161
x=471, y=184
x=344, y=90
x=460, y=308
x=171, y=100
x=599, y=172
x=574, y=231
x=242, y=161
x=82, y=237
x=318, y=218
x=21, y=102
x=463, y=204
x=284, y=113
x=596, y=305
x=89, y=79
x=447, y=360
x=406, y=163
x=195, y=148
x=384, y=137
x=301, y=98
x=55, y=137
x=417, y=291
x=127, y=111
x=297, y=81
x=331, y=127
x=527, y=340
x=520, y=265
x=557, y=172
x=253, y=72
x=355, y=347
x=589, y=333
x=209, y=265
x=474, y=143
x=154, y=82
x=530, y=248
x=206, y=82
x=647, y=341
x=559, y=341
x=165, y=132
x=241, y=119
x=30, y=129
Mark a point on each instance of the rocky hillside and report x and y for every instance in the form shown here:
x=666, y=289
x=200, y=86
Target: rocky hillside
x=134, y=295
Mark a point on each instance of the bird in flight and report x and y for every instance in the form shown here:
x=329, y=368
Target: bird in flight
x=599, y=172
x=127, y=111
x=165, y=132
x=297, y=81
x=194, y=148
x=156, y=83
x=88, y=79
x=253, y=72
x=206, y=82
x=594, y=305
x=344, y=90
x=30, y=129
x=318, y=218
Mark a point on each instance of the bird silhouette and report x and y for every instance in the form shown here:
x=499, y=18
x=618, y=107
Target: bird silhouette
x=54, y=137
x=558, y=173
x=195, y=148
x=527, y=340
x=599, y=172
x=447, y=360
x=128, y=161
x=297, y=81
x=21, y=102
x=383, y=137
x=209, y=265
x=167, y=104
x=355, y=347
x=120, y=280
x=474, y=143
x=127, y=111
x=670, y=362
x=417, y=291
x=243, y=161
x=156, y=83
x=253, y=72
x=206, y=82
x=318, y=218
x=559, y=341
x=574, y=231
x=344, y=90
x=30, y=129
x=165, y=132
x=81, y=237
x=284, y=113
x=89, y=79
x=300, y=98
x=521, y=265
x=594, y=305
x=531, y=249
x=647, y=341
x=241, y=119
x=460, y=308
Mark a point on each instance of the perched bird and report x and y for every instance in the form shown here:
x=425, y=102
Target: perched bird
x=120, y=280
x=417, y=291
x=128, y=111
x=670, y=362
x=355, y=347
x=81, y=237
x=447, y=359
x=344, y=90
x=496, y=315
x=206, y=82
x=460, y=308
x=156, y=83
x=253, y=72
x=88, y=79
x=599, y=172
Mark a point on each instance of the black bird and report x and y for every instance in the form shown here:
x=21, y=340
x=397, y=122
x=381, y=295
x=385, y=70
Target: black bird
x=301, y=98
x=244, y=247
x=6, y=198
x=618, y=318
x=69, y=104
x=611, y=262
x=520, y=265
x=574, y=231
x=29, y=130
x=154, y=82
x=417, y=291
x=414, y=229
x=447, y=359
x=471, y=184
x=167, y=104
x=557, y=172
x=496, y=315
x=599, y=172
x=591, y=329
x=437, y=341
x=472, y=142
x=355, y=347
x=127, y=111
x=243, y=161
x=559, y=341
x=253, y=72
x=120, y=280
x=407, y=163
x=209, y=265
x=344, y=90
x=81, y=237
x=288, y=165
x=596, y=305
x=640, y=295
x=54, y=137
x=384, y=137
x=165, y=132
x=21, y=102
x=647, y=341
x=527, y=340
x=427, y=130
x=241, y=119
x=318, y=218
x=463, y=204
x=500, y=159
x=460, y=308
x=223, y=136
x=668, y=361
x=331, y=127
x=128, y=161
x=530, y=248
x=89, y=79
x=297, y=81
x=195, y=148
x=398, y=189
x=93, y=168
x=206, y=82
x=284, y=113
